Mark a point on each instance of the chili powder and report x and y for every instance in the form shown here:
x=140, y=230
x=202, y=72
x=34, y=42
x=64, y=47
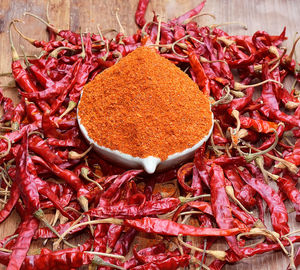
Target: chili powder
x=145, y=106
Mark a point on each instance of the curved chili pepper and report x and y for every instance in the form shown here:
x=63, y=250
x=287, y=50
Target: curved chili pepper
x=182, y=173
x=279, y=216
x=289, y=188
x=14, y=197
x=140, y=13
x=189, y=14
x=40, y=147
x=201, y=77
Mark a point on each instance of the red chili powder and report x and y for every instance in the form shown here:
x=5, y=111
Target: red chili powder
x=145, y=106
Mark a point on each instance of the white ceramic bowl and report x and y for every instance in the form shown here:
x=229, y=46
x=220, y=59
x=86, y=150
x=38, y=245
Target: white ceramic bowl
x=149, y=164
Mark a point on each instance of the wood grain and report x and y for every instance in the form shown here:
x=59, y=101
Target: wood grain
x=268, y=15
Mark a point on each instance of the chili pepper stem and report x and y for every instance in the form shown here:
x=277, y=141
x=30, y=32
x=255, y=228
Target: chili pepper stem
x=289, y=59
x=259, y=231
x=39, y=214
x=230, y=193
x=198, y=15
x=227, y=23
x=219, y=254
x=56, y=31
x=84, y=172
x=282, y=163
x=84, y=203
x=55, y=52
x=158, y=31
x=260, y=163
x=122, y=30
x=251, y=157
x=70, y=107
x=98, y=261
x=62, y=236
x=226, y=41
x=116, y=256
x=291, y=254
x=15, y=56
x=215, y=148
x=290, y=105
x=175, y=43
x=227, y=98
x=75, y=155
x=6, y=250
x=238, y=86
x=30, y=40
x=9, y=239
x=205, y=60
x=293, y=232
x=191, y=199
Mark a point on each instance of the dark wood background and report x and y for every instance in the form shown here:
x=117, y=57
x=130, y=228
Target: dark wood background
x=268, y=15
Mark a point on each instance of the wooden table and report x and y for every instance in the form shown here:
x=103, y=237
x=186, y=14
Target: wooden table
x=268, y=15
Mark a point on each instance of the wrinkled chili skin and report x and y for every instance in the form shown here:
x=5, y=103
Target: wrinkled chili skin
x=167, y=227
x=287, y=185
x=140, y=13
x=21, y=247
x=221, y=205
x=170, y=263
x=279, y=215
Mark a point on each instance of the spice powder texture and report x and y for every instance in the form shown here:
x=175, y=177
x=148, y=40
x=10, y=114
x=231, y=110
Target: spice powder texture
x=145, y=106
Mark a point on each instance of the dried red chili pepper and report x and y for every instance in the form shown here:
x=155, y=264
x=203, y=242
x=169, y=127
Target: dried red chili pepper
x=287, y=185
x=258, y=125
x=181, y=19
x=294, y=157
x=40, y=147
x=279, y=216
x=123, y=244
x=200, y=74
x=20, y=249
x=140, y=12
x=221, y=205
x=149, y=208
x=14, y=197
x=8, y=108
x=113, y=234
x=182, y=173
x=170, y=263
x=168, y=227
x=21, y=76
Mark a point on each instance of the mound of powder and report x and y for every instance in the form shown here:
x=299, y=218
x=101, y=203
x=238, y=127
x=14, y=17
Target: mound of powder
x=145, y=106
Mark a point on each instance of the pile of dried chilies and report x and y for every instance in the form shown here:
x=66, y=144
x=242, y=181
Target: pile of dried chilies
x=251, y=160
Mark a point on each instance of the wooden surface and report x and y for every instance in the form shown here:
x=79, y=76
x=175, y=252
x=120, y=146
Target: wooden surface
x=268, y=15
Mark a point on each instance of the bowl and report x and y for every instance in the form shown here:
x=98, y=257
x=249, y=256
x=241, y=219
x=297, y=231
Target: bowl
x=150, y=164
